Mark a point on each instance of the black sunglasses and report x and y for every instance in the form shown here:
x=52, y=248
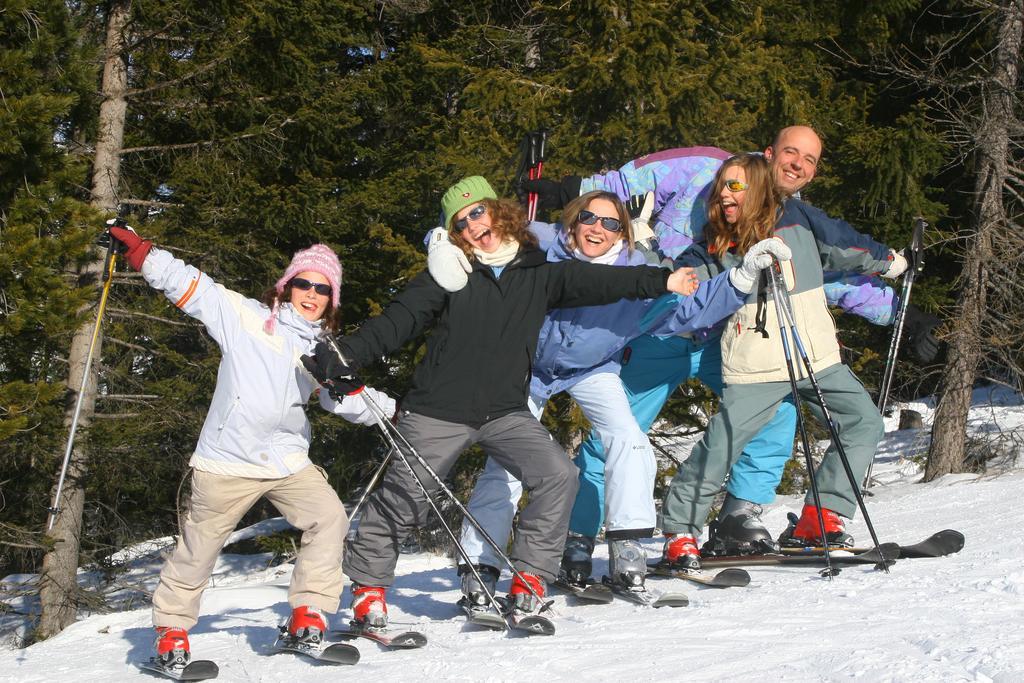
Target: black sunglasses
x=589, y=218
x=305, y=285
x=474, y=215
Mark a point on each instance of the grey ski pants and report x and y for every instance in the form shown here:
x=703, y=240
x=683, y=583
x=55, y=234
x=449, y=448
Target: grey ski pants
x=518, y=442
x=744, y=409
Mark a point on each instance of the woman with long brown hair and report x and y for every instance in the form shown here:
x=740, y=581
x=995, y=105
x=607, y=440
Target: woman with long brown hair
x=745, y=208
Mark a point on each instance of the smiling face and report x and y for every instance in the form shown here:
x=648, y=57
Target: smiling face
x=732, y=200
x=794, y=158
x=594, y=240
x=478, y=233
x=308, y=303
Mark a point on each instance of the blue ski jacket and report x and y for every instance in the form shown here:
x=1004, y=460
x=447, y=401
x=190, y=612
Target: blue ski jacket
x=575, y=343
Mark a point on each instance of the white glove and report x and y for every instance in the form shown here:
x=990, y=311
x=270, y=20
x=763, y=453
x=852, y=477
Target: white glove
x=758, y=258
x=642, y=223
x=447, y=263
x=898, y=266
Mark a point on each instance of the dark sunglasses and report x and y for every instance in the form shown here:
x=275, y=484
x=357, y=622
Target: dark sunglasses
x=474, y=215
x=589, y=218
x=305, y=285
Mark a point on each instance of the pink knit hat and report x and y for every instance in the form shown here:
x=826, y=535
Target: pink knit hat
x=319, y=258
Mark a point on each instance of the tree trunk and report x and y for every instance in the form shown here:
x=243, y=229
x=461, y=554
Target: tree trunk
x=57, y=583
x=992, y=137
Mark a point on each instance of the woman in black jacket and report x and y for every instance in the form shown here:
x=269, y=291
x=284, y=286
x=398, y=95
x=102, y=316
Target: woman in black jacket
x=473, y=383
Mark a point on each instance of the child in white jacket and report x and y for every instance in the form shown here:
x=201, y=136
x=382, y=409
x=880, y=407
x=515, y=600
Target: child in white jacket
x=255, y=440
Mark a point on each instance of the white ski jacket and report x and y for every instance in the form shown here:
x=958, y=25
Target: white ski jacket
x=256, y=426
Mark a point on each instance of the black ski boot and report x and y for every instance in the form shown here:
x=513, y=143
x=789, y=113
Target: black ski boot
x=739, y=531
x=475, y=594
x=577, y=564
x=627, y=563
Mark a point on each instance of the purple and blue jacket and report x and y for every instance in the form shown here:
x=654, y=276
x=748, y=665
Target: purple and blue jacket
x=681, y=180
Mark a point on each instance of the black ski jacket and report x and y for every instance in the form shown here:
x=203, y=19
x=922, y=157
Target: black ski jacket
x=479, y=355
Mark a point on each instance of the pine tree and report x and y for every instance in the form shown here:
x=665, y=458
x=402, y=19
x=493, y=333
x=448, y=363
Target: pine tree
x=46, y=77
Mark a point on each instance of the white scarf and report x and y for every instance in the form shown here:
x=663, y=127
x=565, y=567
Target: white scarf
x=606, y=258
x=500, y=256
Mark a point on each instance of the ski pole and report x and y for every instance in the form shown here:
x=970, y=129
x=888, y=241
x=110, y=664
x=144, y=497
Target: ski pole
x=775, y=272
x=370, y=485
x=381, y=420
x=540, y=141
x=897, y=332
x=531, y=199
x=390, y=433
x=108, y=276
x=534, y=144
x=829, y=570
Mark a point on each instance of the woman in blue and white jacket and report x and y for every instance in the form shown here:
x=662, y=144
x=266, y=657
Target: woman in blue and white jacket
x=255, y=440
x=578, y=352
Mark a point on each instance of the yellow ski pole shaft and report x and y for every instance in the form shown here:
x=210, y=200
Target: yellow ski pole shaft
x=108, y=276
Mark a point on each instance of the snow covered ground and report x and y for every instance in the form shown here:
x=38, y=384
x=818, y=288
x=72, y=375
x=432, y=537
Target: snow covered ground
x=957, y=618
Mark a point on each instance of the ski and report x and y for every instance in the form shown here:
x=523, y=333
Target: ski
x=333, y=653
x=198, y=670
x=592, y=592
x=646, y=597
x=483, y=616
x=945, y=542
x=407, y=640
x=939, y=544
x=890, y=552
x=532, y=624
x=733, y=577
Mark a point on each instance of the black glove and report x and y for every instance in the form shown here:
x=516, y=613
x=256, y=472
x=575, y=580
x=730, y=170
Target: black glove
x=552, y=194
x=919, y=327
x=330, y=369
x=915, y=259
x=635, y=205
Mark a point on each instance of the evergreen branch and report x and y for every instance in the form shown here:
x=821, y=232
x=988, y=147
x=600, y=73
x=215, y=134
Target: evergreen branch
x=1009, y=188
x=114, y=416
x=120, y=312
x=134, y=347
x=187, y=77
x=202, y=143
x=542, y=87
x=668, y=455
x=12, y=531
x=131, y=398
x=151, y=203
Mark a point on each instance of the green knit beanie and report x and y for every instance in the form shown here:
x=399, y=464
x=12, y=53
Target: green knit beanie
x=467, y=191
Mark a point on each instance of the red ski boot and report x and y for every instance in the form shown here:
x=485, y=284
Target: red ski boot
x=171, y=645
x=806, y=531
x=681, y=553
x=521, y=598
x=307, y=626
x=370, y=611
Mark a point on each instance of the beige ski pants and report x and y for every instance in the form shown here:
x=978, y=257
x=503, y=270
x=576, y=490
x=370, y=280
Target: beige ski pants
x=305, y=499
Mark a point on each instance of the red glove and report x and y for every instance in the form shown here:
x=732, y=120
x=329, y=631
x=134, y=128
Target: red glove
x=135, y=248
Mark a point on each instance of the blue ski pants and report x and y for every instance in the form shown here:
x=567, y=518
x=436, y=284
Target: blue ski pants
x=652, y=369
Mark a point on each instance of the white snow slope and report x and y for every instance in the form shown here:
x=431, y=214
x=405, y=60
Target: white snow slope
x=957, y=618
